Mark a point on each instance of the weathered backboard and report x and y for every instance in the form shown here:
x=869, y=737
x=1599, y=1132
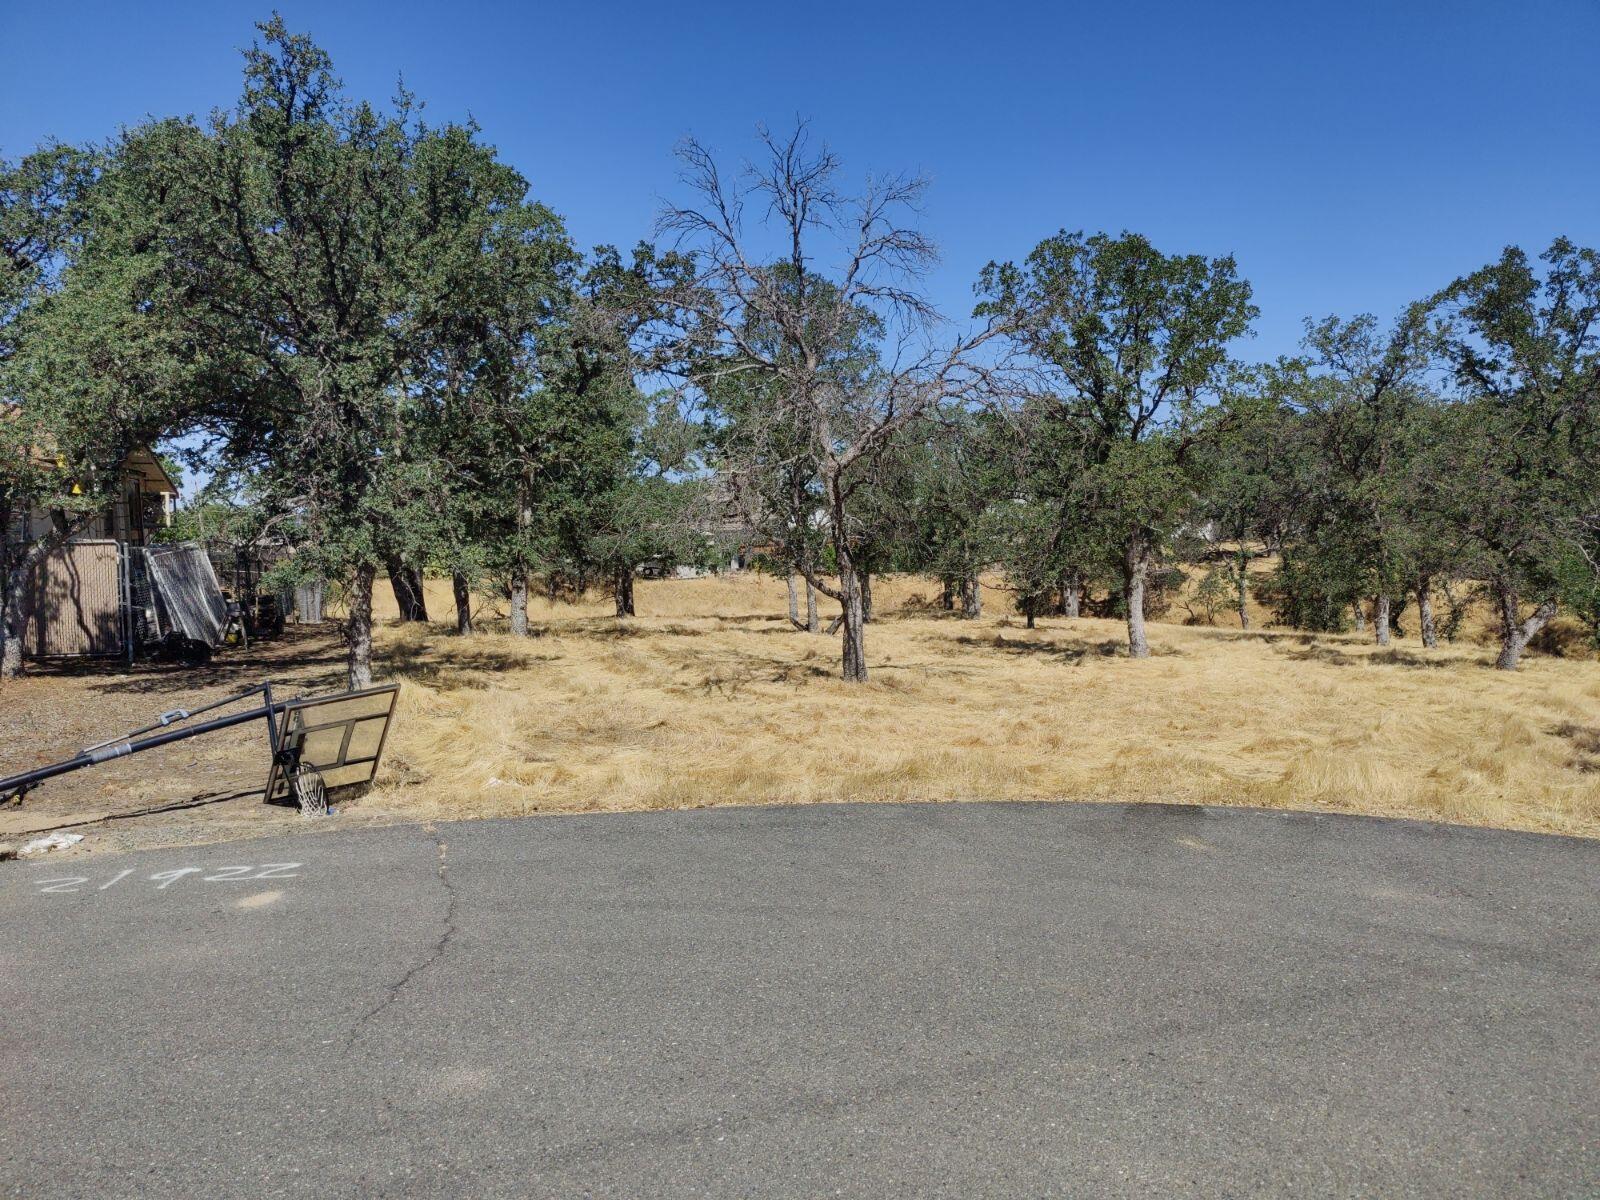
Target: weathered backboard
x=341, y=736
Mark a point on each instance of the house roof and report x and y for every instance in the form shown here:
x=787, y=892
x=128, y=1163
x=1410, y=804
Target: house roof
x=152, y=474
x=139, y=461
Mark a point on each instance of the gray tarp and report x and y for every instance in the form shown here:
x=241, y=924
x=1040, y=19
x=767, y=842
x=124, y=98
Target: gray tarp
x=186, y=588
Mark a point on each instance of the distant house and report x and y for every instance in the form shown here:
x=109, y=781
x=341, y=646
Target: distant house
x=79, y=601
x=144, y=503
x=723, y=522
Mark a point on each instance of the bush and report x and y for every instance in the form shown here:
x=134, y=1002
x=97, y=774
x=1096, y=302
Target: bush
x=1161, y=585
x=1302, y=598
x=1210, y=594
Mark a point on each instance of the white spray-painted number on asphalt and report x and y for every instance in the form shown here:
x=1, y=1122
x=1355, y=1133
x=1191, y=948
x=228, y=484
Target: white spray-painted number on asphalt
x=162, y=880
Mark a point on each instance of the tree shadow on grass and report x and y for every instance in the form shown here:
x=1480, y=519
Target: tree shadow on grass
x=730, y=677
x=458, y=668
x=305, y=658
x=613, y=629
x=729, y=671
x=912, y=613
x=1067, y=652
x=1585, y=741
x=1316, y=652
x=1270, y=637
x=1392, y=657
x=1396, y=657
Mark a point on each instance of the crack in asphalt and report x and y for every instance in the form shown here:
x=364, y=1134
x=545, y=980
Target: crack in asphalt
x=435, y=950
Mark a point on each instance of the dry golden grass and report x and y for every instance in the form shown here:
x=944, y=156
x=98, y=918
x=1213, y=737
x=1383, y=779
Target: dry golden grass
x=709, y=697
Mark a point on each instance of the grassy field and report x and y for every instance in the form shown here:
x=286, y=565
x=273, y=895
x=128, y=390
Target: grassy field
x=710, y=697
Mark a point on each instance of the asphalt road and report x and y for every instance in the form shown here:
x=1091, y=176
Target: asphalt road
x=953, y=1000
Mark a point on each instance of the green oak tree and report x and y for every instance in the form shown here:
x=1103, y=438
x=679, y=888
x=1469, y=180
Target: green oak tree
x=1522, y=340
x=1133, y=345
x=88, y=372
x=1360, y=392
x=332, y=260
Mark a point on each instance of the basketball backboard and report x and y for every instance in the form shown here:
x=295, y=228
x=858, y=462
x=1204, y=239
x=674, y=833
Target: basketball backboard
x=340, y=736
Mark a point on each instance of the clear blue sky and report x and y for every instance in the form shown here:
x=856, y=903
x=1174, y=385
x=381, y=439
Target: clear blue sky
x=1352, y=155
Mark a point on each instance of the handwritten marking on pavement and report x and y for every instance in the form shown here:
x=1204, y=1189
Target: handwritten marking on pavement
x=185, y=877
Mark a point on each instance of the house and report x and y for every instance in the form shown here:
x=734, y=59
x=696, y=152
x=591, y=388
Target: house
x=723, y=520
x=80, y=600
x=145, y=502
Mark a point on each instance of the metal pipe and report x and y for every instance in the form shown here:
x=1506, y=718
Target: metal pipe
x=15, y=785
x=125, y=577
x=183, y=714
x=272, y=725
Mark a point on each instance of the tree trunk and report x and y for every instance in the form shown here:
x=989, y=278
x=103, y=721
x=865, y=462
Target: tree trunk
x=463, y=594
x=971, y=598
x=519, y=601
x=1135, y=567
x=813, y=621
x=1361, y=616
x=358, y=627
x=854, y=618
x=1030, y=616
x=1242, y=565
x=11, y=631
x=11, y=581
x=519, y=565
x=1456, y=606
x=947, y=597
x=1380, y=618
x=866, y=597
x=11, y=655
x=1515, y=633
x=1430, y=630
x=794, y=601
x=852, y=614
x=623, y=588
x=408, y=596
x=1071, y=594
x=16, y=581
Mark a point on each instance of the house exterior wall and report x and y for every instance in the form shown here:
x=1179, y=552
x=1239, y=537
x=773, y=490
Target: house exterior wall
x=74, y=602
x=133, y=517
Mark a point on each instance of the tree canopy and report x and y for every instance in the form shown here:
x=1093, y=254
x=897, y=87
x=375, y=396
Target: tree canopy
x=363, y=330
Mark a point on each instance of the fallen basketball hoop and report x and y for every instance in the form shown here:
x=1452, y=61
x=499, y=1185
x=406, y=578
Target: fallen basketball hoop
x=329, y=742
x=317, y=744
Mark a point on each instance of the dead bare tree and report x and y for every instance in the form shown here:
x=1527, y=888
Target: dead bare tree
x=807, y=335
